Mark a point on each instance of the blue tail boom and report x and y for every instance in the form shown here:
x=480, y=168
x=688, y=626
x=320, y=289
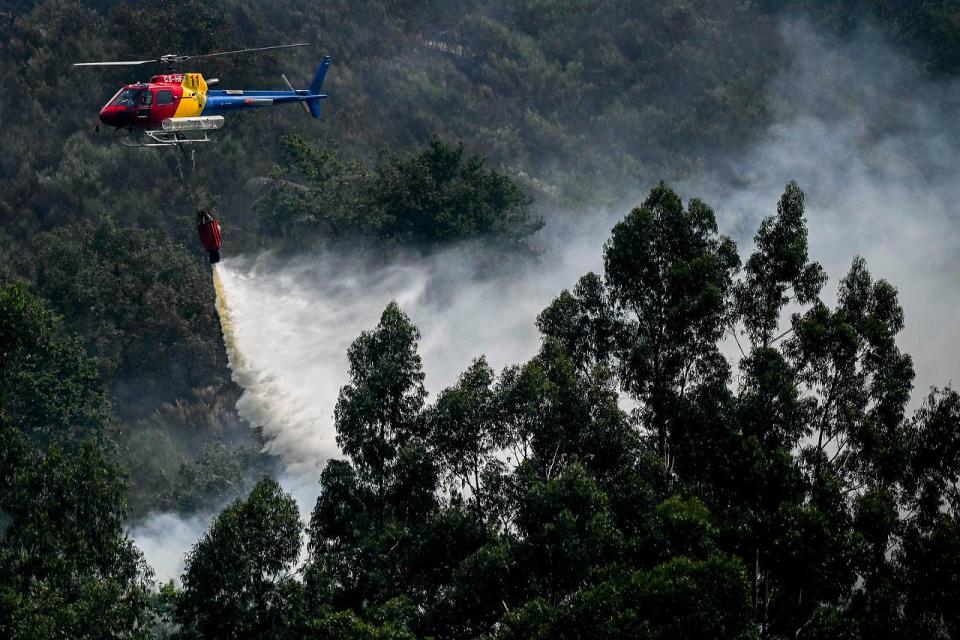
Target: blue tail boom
x=220, y=101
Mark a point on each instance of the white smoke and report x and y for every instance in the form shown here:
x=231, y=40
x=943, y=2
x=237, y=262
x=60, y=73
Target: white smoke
x=874, y=144
x=858, y=126
x=165, y=538
x=293, y=319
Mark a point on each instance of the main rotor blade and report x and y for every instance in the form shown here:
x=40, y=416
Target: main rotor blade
x=111, y=64
x=176, y=59
x=227, y=53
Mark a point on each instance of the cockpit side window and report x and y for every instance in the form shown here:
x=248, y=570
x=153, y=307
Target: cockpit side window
x=130, y=97
x=146, y=98
x=126, y=98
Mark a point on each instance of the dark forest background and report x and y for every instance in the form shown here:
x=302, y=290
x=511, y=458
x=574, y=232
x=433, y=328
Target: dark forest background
x=791, y=496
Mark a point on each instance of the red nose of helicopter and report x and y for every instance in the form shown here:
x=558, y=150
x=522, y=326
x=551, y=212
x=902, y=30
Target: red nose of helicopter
x=121, y=111
x=112, y=115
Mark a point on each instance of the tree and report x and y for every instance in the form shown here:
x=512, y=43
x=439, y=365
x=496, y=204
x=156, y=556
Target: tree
x=567, y=533
x=342, y=532
x=822, y=440
x=50, y=389
x=67, y=566
x=930, y=560
x=676, y=584
x=555, y=415
x=584, y=322
x=377, y=413
x=670, y=276
x=778, y=273
x=203, y=27
x=425, y=198
x=438, y=194
x=141, y=303
x=934, y=445
x=370, y=512
x=466, y=430
x=346, y=625
x=849, y=359
x=238, y=580
x=332, y=201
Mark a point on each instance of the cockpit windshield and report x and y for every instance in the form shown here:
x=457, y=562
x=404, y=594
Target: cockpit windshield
x=132, y=98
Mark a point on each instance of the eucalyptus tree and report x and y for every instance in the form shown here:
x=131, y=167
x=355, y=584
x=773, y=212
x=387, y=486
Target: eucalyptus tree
x=239, y=578
x=467, y=431
x=378, y=411
x=67, y=566
x=670, y=279
x=50, y=388
x=779, y=271
x=372, y=508
x=583, y=322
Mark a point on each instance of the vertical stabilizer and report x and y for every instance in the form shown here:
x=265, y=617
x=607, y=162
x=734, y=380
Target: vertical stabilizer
x=314, y=101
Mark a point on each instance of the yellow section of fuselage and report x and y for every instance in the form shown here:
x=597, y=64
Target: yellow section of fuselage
x=194, y=97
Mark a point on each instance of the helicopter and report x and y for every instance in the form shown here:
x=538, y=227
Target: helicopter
x=174, y=109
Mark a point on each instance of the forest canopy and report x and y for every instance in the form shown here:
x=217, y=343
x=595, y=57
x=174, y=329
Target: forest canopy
x=791, y=496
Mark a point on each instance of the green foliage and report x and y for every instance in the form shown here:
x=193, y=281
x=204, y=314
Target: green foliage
x=555, y=414
x=376, y=414
x=464, y=427
x=670, y=276
x=801, y=502
x=778, y=272
x=849, y=358
x=371, y=514
x=928, y=28
x=49, y=387
x=333, y=200
x=238, y=581
x=554, y=94
x=143, y=305
x=190, y=454
x=217, y=472
x=679, y=527
x=348, y=626
x=437, y=195
x=583, y=322
x=930, y=556
x=567, y=533
x=67, y=567
x=156, y=456
x=200, y=26
x=425, y=198
x=934, y=445
x=682, y=598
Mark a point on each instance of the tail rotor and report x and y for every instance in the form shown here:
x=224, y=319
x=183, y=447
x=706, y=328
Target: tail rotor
x=290, y=86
